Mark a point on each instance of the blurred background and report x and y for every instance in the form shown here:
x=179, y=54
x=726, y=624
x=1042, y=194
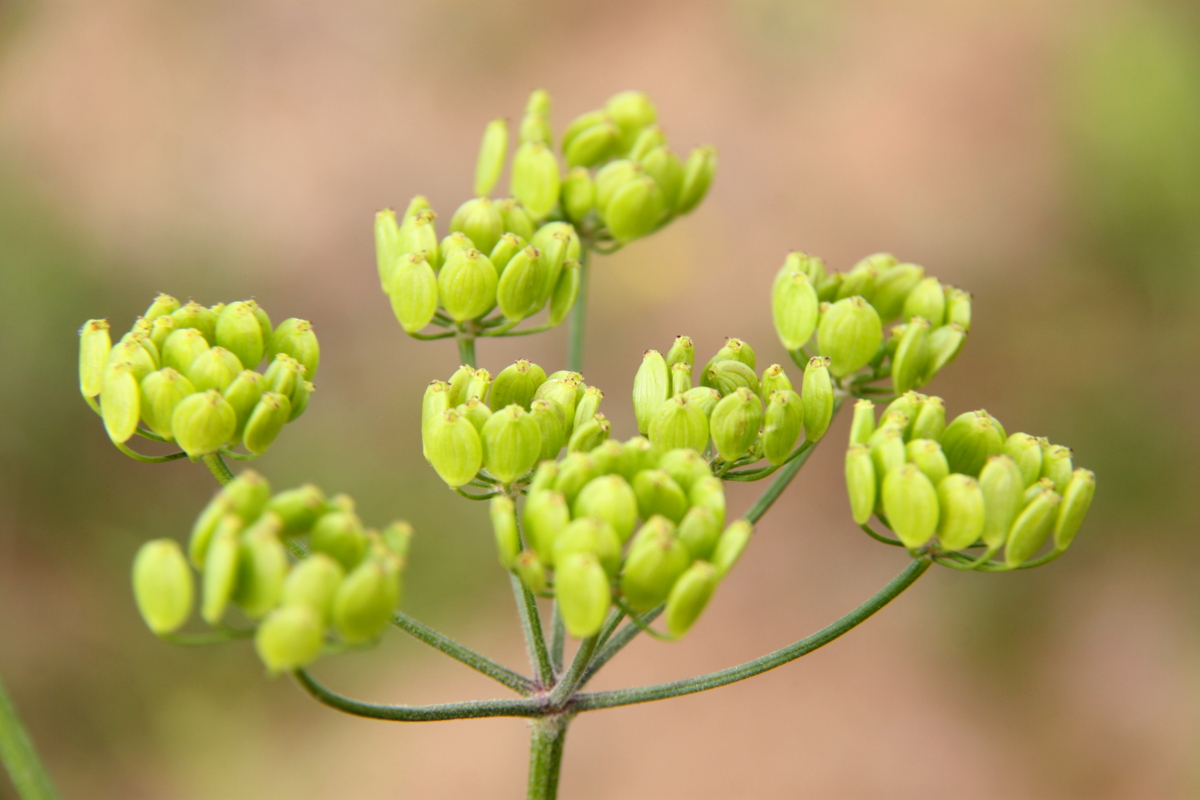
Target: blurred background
x=1045, y=156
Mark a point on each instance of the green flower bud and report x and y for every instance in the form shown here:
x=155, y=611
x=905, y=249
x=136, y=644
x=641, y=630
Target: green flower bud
x=340, y=535
x=298, y=509
x=735, y=423
x=545, y=515
x=467, y=285
x=555, y=247
x=657, y=493
x=609, y=498
x=182, y=347
x=859, y=281
x=531, y=572
x=544, y=476
x=944, y=345
x=611, y=177
x=911, y=505
x=774, y=379
x=535, y=180
x=961, y=515
x=215, y=368
x=262, y=568
x=434, y=403
x=698, y=172
x=480, y=220
x=708, y=492
x=631, y=111
x=926, y=300
x=517, y=384
x=794, y=305
x=607, y=457
x=862, y=425
x=161, y=391
x=682, y=351
x=1003, y=498
x=905, y=407
x=553, y=427
x=289, y=638
x=94, y=347
x=509, y=245
x=238, y=332
x=243, y=396
x=667, y=171
x=1032, y=527
x=504, y=526
x=202, y=422
x=476, y=412
x=162, y=585
x=268, y=419
x=519, y=290
x=592, y=536
x=969, y=440
x=479, y=385
x=681, y=378
x=654, y=564
x=817, y=395
x=566, y=291
x=912, y=356
x=929, y=458
x=679, y=423
x=958, y=308
x=1077, y=499
x=580, y=124
x=892, y=288
x=314, y=583
x=592, y=145
x=649, y=138
x=735, y=350
x=563, y=394
x=583, y=593
x=492, y=152
x=220, y=568
x=1027, y=453
x=129, y=350
x=578, y=194
x=651, y=386
x=418, y=236
x=635, y=210
x=727, y=376
x=1056, y=465
x=783, y=420
x=194, y=315
x=397, y=537
x=703, y=398
x=457, y=386
x=887, y=450
x=689, y=596
x=930, y=420
x=516, y=218
x=535, y=125
x=412, y=289
x=163, y=305
x=365, y=601
x=588, y=404
x=512, y=443
x=850, y=334
x=387, y=243
x=699, y=531
x=861, y=482
x=1043, y=484
x=731, y=545
x=455, y=449
x=589, y=435
x=575, y=471
x=685, y=466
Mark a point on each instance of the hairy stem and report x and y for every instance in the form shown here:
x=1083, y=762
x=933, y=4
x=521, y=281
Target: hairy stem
x=578, y=321
x=217, y=466
x=547, y=736
x=463, y=654
x=19, y=756
x=531, y=625
x=434, y=713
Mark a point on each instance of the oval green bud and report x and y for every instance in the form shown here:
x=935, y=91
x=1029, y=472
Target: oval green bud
x=685, y=466
x=1003, y=497
x=219, y=576
x=434, y=403
x=911, y=505
x=651, y=387
x=817, y=396
x=654, y=564
x=961, y=512
x=163, y=305
x=262, y=568
x=340, y=535
x=794, y=306
x=679, y=423
x=1077, y=499
x=289, y=638
x=631, y=111
x=129, y=350
x=161, y=391
x=314, y=583
x=566, y=291
x=387, y=243
x=243, y=395
x=531, y=572
x=162, y=585
x=270, y=415
x=592, y=536
x=298, y=509
x=418, y=236
x=480, y=220
x=535, y=180
x=519, y=290
x=689, y=596
x=504, y=525
x=467, y=285
x=667, y=171
x=1056, y=465
x=607, y=457
x=774, y=379
x=728, y=375
x=735, y=423
x=699, y=531
x=575, y=471
x=850, y=333
x=944, y=344
x=563, y=394
x=969, y=440
x=635, y=210
x=649, y=138
x=215, y=368
x=658, y=493
x=509, y=245
x=412, y=289
x=238, y=331
x=703, y=398
x=862, y=425
x=592, y=145
x=887, y=450
x=581, y=587
x=194, y=315
x=698, y=172
x=512, y=443
x=517, y=384
x=926, y=300
x=545, y=515
x=516, y=218
x=609, y=498
x=202, y=422
x=892, y=288
x=781, y=430
x=94, y=347
x=637, y=454
x=588, y=405
x=1032, y=527
x=682, y=351
x=681, y=378
x=858, y=281
x=958, y=308
x=365, y=601
x=930, y=420
x=929, y=458
x=578, y=194
x=457, y=386
x=589, y=435
x=553, y=427
x=861, y=482
x=912, y=356
x=248, y=495
x=492, y=152
x=580, y=124
x=1027, y=453
x=182, y=347
x=731, y=545
x=611, y=177
x=708, y=492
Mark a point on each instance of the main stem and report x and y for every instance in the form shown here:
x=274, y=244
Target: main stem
x=547, y=736
x=578, y=321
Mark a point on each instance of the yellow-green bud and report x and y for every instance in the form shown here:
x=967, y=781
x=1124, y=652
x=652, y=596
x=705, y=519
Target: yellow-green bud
x=1077, y=499
x=912, y=356
x=698, y=172
x=163, y=305
x=850, y=333
x=1056, y=464
x=563, y=394
x=589, y=435
x=817, y=395
x=731, y=545
x=862, y=425
x=651, y=387
x=434, y=403
x=580, y=124
x=927, y=300
x=969, y=440
x=365, y=601
x=655, y=563
x=685, y=466
x=220, y=568
x=578, y=194
x=202, y=422
x=516, y=218
x=679, y=423
x=584, y=596
x=861, y=482
x=397, y=537
x=1003, y=498
x=588, y=405
x=575, y=471
x=418, y=236
x=566, y=291
x=1026, y=452
x=480, y=220
x=609, y=498
x=162, y=585
x=161, y=391
x=892, y=288
x=517, y=384
x=467, y=284
x=412, y=288
x=637, y=454
x=529, y=569
x=504, y=525
x=689, y=596
x=1032, y=527
x=509, y=245
x=958, y=308
x=243, y=395
x=858, y=281
x=1042, y=484
x=545, y=515
x=699, y=531
x=908, y=405
x=781, y=429
x=657, y=493
x=340, y=534
x=544, y=476
x=929, y=458
x=911, y=505
x=182, y=347
x=519, y=290
x=607, y=457
x=289, y=638
x=314, y=583
x=708, y=492
x=94, y=347
x=592, y=536
x=649, y=138
x=682, y=351
x=930, y=420
x=262, y=568
x=387, y=243
x=728, y=375
x=704, y=398
x=681, y=378
x=553, y=427
x=238, y=331
x=944, y=345
x=512, y=443
x=887, y=450
x=667, y=171
x=631, y=111
x=611, y=177
x=298, y=509
x=270, y=415
x=535, y=179
x=794, y=306
x=457, y=386
x=735, y=423
x=592, y=145
x=455, y=449
x=961, y=514
x=774, y=379
x=129, y=350
x=194, y=315
x=635, y=210
x=492, y=152
x=215, y=368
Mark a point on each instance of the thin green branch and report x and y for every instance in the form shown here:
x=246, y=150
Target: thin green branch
x=643, y=626
x=617, y=643
x=217, y=466
x=149, y=459
x=20, y=757
x=431, y=337
x=662, y=691
x=558, y=638
x=879, y=537
x=476, y=709
x=578, y=321
x=573, y=677
x=531, y=626
x=466, y=348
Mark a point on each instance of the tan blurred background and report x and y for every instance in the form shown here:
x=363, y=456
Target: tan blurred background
x=1044, y=155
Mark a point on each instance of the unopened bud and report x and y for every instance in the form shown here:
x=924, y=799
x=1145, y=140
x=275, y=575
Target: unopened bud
x=578, y=194
x=298, y=509
x=194, y=315
x=220, y=569
x=412, y=289
x=654, y=564
x=163, y=585
x=1027, y=453
x=911, y=505
x=479, y=386
x=944, y=344
x=635, y=210
x=930, y=420
x=340, y=535
x=658, y=494
x=553, y=427
x=575, y=471
x=958, y=308
x=387, y=243
x=861, y=482
x=202, y=422
x=314, y=583
x=728, y=376
x=238, y=331
x=1003, y=497
x=418, y=237
x=262, y=568
x=681, y=378
x=887, y=450
x=181, y=348
x=783, y=421
x=161, y=392
x=479, y=219
x=1077, y=499
x=492, y=152
x=365, y=601
x=926, y=300
x=1056, y=465
x=699, y=531
x=592, y=145
x=94, y=347
x=651, y=387
x=929, y=458
x=682, y=351
x=512, y=443
x=609, y=498
x=698, y=172
x=289, y=638
x=1032, y=527
x=270, y=415
x=454, y=449
x=679, y=423
x=129, y=350
x=735, y=423
x=566, y=291
x=817, y=394
x=517, y=384
x=892, y=288
x=961, y=514
x=592, y=536
x=794, y=305
x=969, y=440
x=859, y=281
x=457, y=385
x=589, y=435
x=689, y=596
x=850, y=334
x=532, y=573
x=774, y=379
x=215, y=368
x=535, y=180
x=731, y=545
x=685, y=466
x=667, y=171
x=516, y=218
x=631, y=111
x=862, y=425
x=708, y=492
x=545, y=515
x=703, y=398
x=581, y=587
x=504, y=526
x=912, y=356
x=563, y=393
x=467, y=285
x=519, y=290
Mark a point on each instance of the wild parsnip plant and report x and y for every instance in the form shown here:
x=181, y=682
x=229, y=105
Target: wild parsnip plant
x=604, y=539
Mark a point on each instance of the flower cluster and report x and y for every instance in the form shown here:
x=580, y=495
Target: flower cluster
x=342, y=593
x=967, y=483
x=188, y=373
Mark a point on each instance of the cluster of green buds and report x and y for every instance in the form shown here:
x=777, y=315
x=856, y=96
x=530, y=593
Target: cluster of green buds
x=535, y=416
x=341, y=592
x=626, y=524
x=966, y=484
x=188, y=373
x=745, y=415
x=849, y=311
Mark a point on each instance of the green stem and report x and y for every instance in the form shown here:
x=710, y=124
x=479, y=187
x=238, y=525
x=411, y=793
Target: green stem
x=558, y=638
x=547, y=736
x=662, y=691
x=578, y=320
x=149, y=459
x=463, y=654
x=466, y=348
x=19, y=756
x=613, y=646
x=216, y=465
x=531, y=626
x=574, y=675
x=433, y=713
